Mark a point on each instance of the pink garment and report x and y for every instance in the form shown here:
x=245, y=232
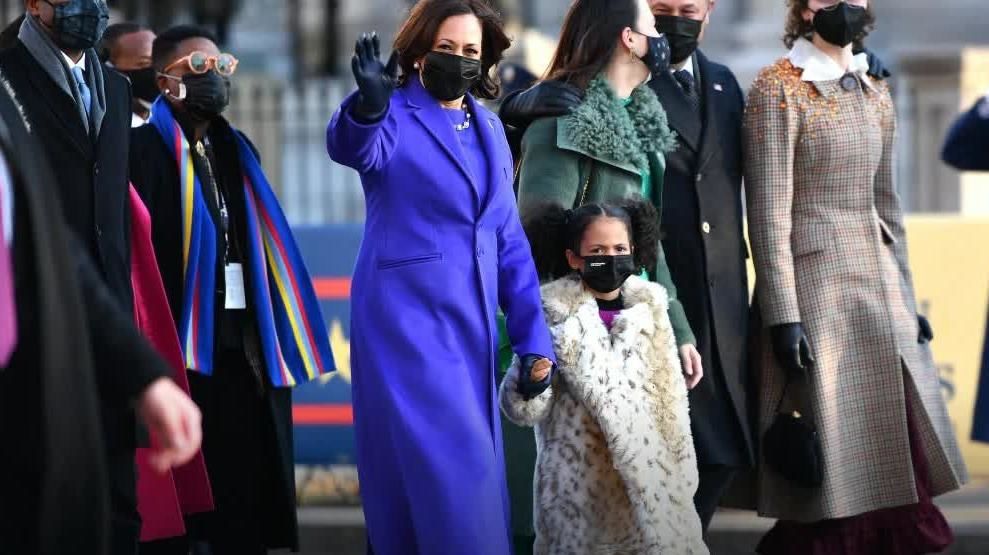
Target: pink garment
x=8, y=312
x=162, y=499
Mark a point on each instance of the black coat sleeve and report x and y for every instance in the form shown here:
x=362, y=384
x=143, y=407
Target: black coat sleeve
x=967, y=144
x=128, y=364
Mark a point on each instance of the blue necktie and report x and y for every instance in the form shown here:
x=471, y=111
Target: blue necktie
x=84, y=95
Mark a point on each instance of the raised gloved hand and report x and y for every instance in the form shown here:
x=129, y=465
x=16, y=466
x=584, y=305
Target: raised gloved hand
x=877, y=69
x=547, y=99
x=792, y=348
x=926, y=334
x=535, y=375
x=375, y=81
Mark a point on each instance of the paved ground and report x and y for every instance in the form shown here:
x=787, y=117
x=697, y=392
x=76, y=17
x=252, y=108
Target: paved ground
x=340, y=531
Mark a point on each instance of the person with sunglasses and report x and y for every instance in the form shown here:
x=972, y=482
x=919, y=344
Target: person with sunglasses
x=839, y=338
x=214, y=219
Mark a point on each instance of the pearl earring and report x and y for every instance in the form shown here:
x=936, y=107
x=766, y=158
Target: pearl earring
x=415, y=65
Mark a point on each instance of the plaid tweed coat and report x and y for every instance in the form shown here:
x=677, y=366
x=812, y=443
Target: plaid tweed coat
x=829, y=248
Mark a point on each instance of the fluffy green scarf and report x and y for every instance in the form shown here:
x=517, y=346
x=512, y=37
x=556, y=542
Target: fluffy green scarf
x=604, y=127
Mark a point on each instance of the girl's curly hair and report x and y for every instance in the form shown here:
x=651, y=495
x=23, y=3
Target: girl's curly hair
x=797, y=28
x=553, y=230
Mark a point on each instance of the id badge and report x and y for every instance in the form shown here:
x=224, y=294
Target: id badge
x=235, y=288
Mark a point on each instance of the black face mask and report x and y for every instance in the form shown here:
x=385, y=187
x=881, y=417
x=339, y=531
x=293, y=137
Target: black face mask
x=142, y=82
x=840, y=24
x=605, y=274
x=682, y=33
x=207, y=95
x=448, y=76
x=657, y=57
x=79, y=24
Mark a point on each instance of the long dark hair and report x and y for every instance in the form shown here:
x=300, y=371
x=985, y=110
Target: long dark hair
x=553, y=229
x=589, y=39
x=416, y=36
x=797, y=28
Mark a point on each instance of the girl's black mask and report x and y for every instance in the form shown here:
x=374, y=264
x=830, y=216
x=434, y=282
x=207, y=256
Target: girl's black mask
x=841, y=24
x=207, y=95
x=605, y=274
x=79, y=24
x=682, y=33
x=448, y=76
x=143, y=83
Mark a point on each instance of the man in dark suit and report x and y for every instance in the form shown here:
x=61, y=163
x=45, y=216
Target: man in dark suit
x=78, y=112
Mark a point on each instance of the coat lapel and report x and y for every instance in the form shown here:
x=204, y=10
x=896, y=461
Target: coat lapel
x=678, y=109
x=713, y=90
x=62, y=106
x=430, y=114
x=486, y=125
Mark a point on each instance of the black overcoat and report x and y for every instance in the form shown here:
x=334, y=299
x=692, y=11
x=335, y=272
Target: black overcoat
x=706, y=252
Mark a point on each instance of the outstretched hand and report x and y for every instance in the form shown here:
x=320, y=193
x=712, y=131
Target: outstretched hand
x=375, y=81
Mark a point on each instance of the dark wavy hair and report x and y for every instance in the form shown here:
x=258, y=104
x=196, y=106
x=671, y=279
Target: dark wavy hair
x=553, y=229
x=416, y=37
x=797, y=28
x=589, y=39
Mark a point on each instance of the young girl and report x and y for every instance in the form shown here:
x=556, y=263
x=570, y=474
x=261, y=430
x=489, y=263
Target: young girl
x=616, y=471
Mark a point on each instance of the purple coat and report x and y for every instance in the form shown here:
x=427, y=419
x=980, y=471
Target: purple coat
x=436, y=263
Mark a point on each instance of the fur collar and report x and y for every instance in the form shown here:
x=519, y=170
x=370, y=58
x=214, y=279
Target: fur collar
x=567, y=297
x=603, y=127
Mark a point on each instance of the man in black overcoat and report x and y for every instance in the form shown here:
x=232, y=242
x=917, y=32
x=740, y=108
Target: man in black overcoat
x=76, y=114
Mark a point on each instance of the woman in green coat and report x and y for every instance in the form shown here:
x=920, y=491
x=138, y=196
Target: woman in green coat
x=611, y=146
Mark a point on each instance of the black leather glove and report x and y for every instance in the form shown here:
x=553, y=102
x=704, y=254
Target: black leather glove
x=546, y=99
x=375, y=81
x=792, y=348
x=877, y=69
x=926, y=334
x=527, y=388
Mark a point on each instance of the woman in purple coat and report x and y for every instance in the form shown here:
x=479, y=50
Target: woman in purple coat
x=443, y=249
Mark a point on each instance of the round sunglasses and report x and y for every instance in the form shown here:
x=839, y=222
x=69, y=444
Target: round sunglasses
x=200, y=62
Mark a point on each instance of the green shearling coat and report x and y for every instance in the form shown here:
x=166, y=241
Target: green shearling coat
x=602, y=151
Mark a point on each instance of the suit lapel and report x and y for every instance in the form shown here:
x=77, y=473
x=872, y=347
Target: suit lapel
x=486, y=125
x=430, y=114
x=713, y=91
x=61, y=107
x=678, y=110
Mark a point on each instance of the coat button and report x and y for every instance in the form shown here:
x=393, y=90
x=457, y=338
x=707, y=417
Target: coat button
x=96, y=170
x=99, y=232
x=706, y=227
x=480, y=252
x=700, y=177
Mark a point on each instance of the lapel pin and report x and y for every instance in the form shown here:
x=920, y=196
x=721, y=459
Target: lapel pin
x=718, y=87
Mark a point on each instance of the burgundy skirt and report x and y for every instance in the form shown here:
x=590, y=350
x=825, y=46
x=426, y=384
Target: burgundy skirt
x=905, y=530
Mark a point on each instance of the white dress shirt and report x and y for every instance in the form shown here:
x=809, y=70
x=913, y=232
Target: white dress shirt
x=80, y=64
x=688, y=65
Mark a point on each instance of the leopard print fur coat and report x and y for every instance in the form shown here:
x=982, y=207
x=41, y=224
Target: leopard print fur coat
x=616, y=471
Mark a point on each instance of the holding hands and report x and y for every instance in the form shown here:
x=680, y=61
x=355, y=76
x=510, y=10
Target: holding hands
x=375, y=81
x=534, y=374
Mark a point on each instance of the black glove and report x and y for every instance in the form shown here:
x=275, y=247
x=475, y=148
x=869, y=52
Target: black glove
x=527, y=388
x=877, y=69
x=926, y=334
x=547, y=99
x=375, y=81
x=792, y=348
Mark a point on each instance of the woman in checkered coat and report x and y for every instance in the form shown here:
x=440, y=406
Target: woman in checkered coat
x=835, y=297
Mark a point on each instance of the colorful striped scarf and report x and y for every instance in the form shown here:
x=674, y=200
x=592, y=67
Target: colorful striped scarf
x=294, y=341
